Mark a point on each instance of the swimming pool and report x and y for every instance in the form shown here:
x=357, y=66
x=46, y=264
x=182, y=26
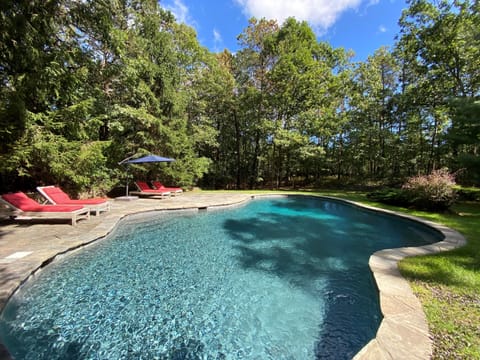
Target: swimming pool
x=277, y=278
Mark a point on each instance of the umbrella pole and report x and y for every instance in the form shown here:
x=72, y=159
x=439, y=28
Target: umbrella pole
x=126, y=185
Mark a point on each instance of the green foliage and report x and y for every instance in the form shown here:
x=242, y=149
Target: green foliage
x=374, y=133
x=464, y=138
x=86, y=84
x=439, y=52
x=53, y=159
x=290, y=89
x=391, y=196
x=285, y=108
x=467, y=194
x=188, y=171
x=92, y=171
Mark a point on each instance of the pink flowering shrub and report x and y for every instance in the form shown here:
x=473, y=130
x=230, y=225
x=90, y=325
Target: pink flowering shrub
x=431, y=192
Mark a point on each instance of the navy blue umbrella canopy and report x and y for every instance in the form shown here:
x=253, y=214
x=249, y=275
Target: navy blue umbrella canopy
x=147, y=159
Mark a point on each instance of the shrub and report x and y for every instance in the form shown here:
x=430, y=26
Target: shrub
x=467, y=194
x=390, y=196
x=431, y=192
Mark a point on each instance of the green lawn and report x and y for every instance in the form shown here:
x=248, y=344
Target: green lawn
x=448, y=284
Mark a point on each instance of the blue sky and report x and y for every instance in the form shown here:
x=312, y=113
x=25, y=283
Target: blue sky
x=360, y=25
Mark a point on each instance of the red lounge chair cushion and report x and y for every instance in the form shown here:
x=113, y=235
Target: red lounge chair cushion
x=56, y=194
x=159, y=185
x=143, y=186
x=60, y=197
x=24, y=203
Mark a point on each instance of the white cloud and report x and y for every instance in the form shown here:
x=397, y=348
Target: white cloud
x=217, y=40
x=217, y=37
x=180, y=11
x=382, y=29
x=321, y=14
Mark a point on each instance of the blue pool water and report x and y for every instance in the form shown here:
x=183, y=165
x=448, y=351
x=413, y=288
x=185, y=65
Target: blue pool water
x=279, y=278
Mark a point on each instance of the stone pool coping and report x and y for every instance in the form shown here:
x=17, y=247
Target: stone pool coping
x=403, y=332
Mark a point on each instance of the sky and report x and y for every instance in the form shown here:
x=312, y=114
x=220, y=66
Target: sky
x=359, y=25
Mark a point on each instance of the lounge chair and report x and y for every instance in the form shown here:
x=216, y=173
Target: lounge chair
x=174, y=190
x=26, y=208
x=145, y=190
x=57, y=196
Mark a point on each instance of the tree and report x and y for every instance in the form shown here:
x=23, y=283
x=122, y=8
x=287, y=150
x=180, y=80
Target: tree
x=42, y=75
x=304, y=98
x=464, y=138
x=439, y=46
x=375, y=130
x=99, y=80
x=252, y=64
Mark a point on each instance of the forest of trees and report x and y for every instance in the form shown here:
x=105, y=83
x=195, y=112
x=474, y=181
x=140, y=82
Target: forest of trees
x=85, y=84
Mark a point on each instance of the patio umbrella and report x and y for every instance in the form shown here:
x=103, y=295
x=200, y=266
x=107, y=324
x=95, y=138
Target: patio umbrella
x=144, y=159
x=147, y=159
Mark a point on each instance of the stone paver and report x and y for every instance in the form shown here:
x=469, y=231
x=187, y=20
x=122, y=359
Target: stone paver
x=403, y=333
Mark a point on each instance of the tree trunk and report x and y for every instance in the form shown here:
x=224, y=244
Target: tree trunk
x=238, y=142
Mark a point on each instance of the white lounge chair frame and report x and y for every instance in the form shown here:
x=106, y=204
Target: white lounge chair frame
x=93, y=208
x=152, y=193
x=73, y=216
